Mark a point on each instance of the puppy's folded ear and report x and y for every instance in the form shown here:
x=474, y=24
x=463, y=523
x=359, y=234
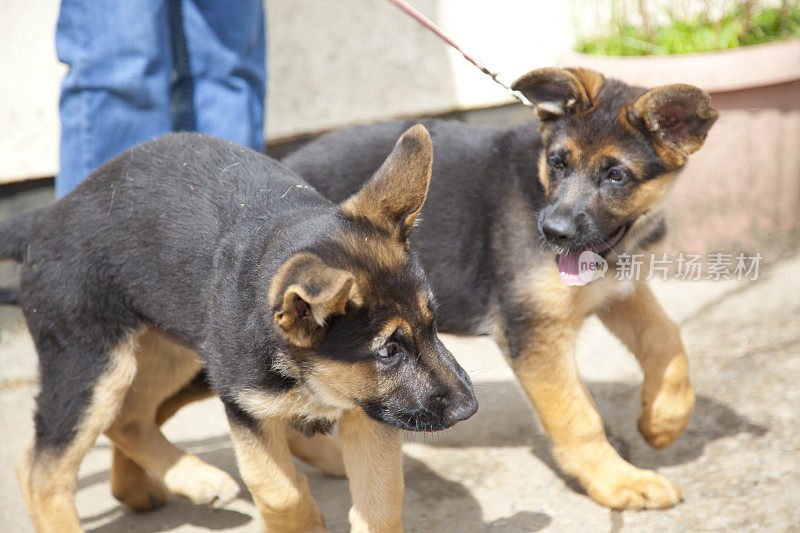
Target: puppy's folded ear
x=677, y=118
x=393, y=197
x=304, y=293
x=560, y=91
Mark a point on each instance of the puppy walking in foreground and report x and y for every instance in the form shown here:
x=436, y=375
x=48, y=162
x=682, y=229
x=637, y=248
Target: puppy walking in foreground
x=508, y=216
x=190, y=252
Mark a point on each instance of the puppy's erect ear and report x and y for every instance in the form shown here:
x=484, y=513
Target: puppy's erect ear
x=304, y=293
x=677, y=117
x=560, y=91
x=393, y=197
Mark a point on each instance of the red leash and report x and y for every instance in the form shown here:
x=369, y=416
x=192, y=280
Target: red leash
x=409, y=10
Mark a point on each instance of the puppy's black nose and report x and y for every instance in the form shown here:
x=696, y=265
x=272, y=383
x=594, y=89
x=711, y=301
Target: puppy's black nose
x=461, y=408
x=559, y=229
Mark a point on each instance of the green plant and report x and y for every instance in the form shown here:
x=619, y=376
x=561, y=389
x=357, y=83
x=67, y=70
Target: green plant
x=740, y=26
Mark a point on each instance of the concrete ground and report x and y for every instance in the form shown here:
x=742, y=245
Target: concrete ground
x=738, y=463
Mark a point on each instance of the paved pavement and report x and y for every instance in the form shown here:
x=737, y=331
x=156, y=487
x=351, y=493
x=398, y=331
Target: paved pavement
x=738, y=463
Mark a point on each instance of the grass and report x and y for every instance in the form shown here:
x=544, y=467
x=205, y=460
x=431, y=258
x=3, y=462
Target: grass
x=736, y=29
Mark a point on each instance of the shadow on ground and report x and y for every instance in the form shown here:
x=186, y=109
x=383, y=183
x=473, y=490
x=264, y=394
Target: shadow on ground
x=430, y=499
x=506, y=419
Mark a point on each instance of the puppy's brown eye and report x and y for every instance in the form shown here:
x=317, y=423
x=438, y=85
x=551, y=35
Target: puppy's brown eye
x=616, y=175
x=557, y=162
x=388, y=350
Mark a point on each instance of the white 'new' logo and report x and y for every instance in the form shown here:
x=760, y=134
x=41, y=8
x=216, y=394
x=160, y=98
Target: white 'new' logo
x=591, y=266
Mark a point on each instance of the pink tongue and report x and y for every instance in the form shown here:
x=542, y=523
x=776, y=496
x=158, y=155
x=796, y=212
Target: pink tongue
x=568, y=269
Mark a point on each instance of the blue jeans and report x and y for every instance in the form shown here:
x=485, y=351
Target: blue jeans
x=141, y=68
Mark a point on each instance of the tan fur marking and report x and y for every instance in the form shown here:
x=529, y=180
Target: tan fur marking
x=556, y=90
x=201, y=483
x=279, y=491
x=609, y=149
x=284, y=365
x=184, y=396
x=673, y=146
x=385, y=253
x=343, y=383
x=324, y=291
x=424, y=307
x=627, y=119
x=376, y=485
x=23, y=472
x=592, y=81
x=649, y=194
x=133, y=486
x=544, y=173
x=392, y=325
x=570, y=145
x=548, y=373
x=371, y=451
x=300, y=401
x=394, y=196
x=48, y=479
x=328, y=387
x=320, y=451
x=164, y=367
x=667, y=396
x=671, y=157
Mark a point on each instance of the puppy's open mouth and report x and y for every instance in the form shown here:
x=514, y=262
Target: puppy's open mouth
x=569, y=265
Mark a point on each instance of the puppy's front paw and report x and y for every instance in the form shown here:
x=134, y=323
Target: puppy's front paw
x=666, y=414
x=612, y=481
x=202, y=483
x=624, y=486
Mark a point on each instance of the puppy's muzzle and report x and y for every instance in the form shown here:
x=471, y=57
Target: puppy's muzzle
x=461, y=407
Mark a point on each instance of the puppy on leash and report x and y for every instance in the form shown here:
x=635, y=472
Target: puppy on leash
x=512, y=216
x=191, y=252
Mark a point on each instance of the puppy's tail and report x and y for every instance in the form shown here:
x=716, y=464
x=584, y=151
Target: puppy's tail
x=16, y=232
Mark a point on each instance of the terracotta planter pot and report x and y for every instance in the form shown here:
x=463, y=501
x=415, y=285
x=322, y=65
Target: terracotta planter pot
x=741, y=191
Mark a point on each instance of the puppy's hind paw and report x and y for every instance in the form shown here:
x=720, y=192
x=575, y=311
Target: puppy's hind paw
x=201, y=483
x=134, y=487
x=665, y=417
x=146, y=495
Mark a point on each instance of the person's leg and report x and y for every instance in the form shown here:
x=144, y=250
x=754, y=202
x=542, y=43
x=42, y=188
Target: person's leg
x=116, y=92
x=227, y=57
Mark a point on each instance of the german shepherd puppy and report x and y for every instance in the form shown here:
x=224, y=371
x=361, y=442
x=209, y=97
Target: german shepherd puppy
x=190, y=251
x=509, y=213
